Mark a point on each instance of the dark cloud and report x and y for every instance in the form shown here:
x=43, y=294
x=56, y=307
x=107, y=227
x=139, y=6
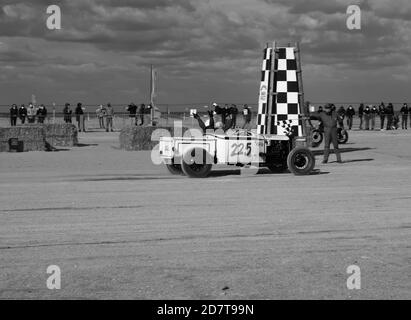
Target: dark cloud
x=194, y=41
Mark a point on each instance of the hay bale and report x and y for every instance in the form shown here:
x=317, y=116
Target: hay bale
x=143, y=138
x=33, y=137
x=61, y=134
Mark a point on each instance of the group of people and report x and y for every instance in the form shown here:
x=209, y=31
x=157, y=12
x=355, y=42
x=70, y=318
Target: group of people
x=136, y=113
x=228, y=116
x=30, y=113
x=389, y=120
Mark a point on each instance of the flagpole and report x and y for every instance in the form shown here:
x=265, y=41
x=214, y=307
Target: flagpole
x=151, y=93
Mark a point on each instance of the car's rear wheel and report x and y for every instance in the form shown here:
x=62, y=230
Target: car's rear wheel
x=197, y=163
x=301, y=161
x=316, y=138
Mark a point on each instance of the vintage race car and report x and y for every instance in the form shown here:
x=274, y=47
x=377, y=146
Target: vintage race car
x=195, y=155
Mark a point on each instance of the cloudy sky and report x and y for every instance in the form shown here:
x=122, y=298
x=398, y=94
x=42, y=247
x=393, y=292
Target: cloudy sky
x=204, y=50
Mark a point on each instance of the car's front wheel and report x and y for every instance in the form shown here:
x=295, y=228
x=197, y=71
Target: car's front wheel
x=301, y=161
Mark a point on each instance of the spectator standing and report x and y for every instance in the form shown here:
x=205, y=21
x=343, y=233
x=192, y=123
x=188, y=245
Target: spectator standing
x=23, y=113
x=381, y=111
x=360, y=114
x=409, y=112
x=234, y=112
x=350, y=113
x=31, y=113
x=140, y=113
x=41, y=113
x=367, y=117
x=67, y=112
x=404, y=116
x=109, y=117
x=14, y=113
x=389, y=112
x=374, y=113
x=246, y=117
x=132, y=109
x=79, y=116
x=225, y=113
x=100, y=113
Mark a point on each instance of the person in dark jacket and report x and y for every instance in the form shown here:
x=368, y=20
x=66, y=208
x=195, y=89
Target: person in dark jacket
x=350, y=113
x=330, y=119
x=404, y=116
x=23, y=113
x=67, y=112
x=381, y=112
x=341, y=112
x=233, y=112
x=361, y=113
x=41, y=113
x=132, y=109
x=79, y=116
x=14, y=113
x=389, y=112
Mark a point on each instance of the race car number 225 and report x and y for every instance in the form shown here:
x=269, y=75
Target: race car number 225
x=241, y=149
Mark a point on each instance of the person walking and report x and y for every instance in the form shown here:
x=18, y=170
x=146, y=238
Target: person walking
x=381, y=111
x=23, y=113
x=246, y=117
x=330, y=119
x=109, y=117
x=67, y=112
x=389, y=112
x=350, y=113
x=361, y=113
x=41, y=114
x=31, y=113
x=79, y=112
x=374, y=113
x=14, y=113
x=404, y=116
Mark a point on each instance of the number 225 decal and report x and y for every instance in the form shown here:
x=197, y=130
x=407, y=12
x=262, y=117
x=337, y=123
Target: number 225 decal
x=241, y=149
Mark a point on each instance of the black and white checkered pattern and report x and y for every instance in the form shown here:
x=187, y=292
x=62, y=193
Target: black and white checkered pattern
x=262, y=116
x=285, y=109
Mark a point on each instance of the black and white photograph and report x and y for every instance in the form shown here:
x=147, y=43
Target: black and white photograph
x=224, y=151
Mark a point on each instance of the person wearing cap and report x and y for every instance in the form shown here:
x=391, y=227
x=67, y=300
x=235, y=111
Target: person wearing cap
x=404, y=116
x=330, y=119
x=374, y=113
x=31, y=113
x=67, y=112
x=14, y=112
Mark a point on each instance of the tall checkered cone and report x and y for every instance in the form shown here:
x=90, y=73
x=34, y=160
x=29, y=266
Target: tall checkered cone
x=285, y=109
